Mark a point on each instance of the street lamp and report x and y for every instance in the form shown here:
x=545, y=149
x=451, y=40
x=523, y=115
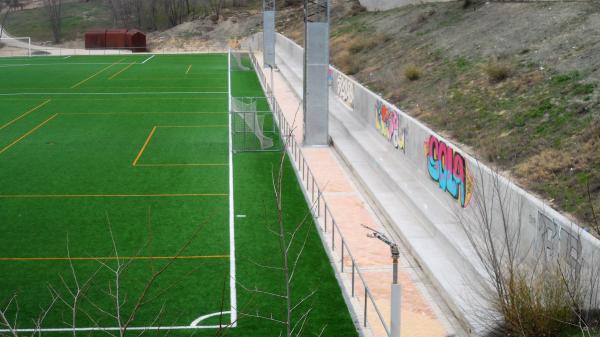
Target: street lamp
x=396, y=287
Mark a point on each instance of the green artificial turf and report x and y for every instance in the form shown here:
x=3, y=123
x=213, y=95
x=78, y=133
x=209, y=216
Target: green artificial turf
x=91, y=146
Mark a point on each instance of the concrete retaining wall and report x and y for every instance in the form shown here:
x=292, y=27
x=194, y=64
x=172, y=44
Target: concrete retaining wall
x=442, y=185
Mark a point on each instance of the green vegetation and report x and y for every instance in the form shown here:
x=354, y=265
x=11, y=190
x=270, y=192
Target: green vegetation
x=513, y=109
x=412, y=72
x=78, y=17
x=142, y=150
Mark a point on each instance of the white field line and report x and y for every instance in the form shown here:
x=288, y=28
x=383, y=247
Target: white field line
x=232, y=280
x=66, y=57
x=51, y=64
x=205, y=317
x=120, y=93
x=192, y=326
x=140, y=328
x=148, y=59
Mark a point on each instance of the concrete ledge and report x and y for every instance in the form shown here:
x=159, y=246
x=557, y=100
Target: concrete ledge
x=436, y=242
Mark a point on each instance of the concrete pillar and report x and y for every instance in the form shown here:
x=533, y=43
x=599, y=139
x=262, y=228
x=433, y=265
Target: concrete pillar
x=395, y=310
x=269, y=33
x=316, y=67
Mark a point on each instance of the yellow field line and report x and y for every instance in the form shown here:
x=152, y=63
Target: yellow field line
x=27, y=134
x=96, y=74
x=66, y=196
x=194, y=126
x=144, y=147
x=188, y=69
x=120, y=72
x=25, y=114
x=108, y=258
x=175, y=165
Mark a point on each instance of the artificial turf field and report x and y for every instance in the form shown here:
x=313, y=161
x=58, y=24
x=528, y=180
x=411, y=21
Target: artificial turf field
x=109, y=161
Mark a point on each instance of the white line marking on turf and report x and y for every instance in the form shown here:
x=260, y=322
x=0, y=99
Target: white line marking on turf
x=232, y=280
x=194, y=325
x=67, y=57
x=120, y=93
x=136, y=328
x=148, y=59
x=50, y=64
x=202, y=318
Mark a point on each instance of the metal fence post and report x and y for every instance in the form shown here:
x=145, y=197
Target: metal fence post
x=365, y=323
x=353, y=267
x=342, y=255
x=333, y=236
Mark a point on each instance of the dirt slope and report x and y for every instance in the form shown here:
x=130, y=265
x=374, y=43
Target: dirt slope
x=516, y=83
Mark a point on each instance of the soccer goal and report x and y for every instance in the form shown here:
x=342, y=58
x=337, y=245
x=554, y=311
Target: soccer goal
x=15, y=46
x=254, y=128
x=240, y=61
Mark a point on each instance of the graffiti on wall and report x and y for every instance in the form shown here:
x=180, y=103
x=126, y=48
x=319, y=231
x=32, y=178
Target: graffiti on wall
x=344, y=88
x=558, y=241
x=449, y=169
x=387, y=122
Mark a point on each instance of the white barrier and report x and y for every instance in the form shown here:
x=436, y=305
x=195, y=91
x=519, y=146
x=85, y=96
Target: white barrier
x=449, y=180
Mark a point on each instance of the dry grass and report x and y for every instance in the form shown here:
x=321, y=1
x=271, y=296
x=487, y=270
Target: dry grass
x=412, y=72
x=347, y=63
x=497, y=71
x=364, y=42
x=536, y=304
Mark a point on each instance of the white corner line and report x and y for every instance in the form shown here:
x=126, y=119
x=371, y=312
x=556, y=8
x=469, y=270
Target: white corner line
x=202, y=318
x=148, y=59
x=232, y=280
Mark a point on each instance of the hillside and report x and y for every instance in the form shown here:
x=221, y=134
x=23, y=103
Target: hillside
x=77, y=18
x=195, y=28
x=515, y=83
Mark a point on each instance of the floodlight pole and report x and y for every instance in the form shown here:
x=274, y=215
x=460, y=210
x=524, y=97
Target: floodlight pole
x=269, y=33
x=396, y=297
x=316, y=66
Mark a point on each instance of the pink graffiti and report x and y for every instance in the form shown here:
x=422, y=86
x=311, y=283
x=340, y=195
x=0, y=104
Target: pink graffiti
x=449, y=169
x=388, y=124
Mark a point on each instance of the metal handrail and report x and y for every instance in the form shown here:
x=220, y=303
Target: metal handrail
x=311, y=186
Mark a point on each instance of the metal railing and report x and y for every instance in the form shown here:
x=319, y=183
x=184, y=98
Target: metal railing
x=322, y=212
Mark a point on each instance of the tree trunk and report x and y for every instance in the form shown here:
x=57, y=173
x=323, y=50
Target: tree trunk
x=54, y=10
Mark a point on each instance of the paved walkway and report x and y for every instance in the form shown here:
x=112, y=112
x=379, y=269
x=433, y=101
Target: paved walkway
x=421, y=316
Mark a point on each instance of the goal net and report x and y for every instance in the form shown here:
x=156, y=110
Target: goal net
x=240, y=61
x=253, y=128
x=15, y=46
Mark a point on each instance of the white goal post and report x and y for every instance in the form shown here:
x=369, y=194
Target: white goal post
x=12, y=46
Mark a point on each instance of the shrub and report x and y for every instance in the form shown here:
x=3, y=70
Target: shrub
x=347, y=63
x=412, y=72
x=362, y=42
x=356, y=9
x=498, y=71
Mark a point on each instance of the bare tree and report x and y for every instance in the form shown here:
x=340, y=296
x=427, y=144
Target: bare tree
x=54, y=11
x=537, y=290
x=216, y=6
x=80, y=295
x=292, y=243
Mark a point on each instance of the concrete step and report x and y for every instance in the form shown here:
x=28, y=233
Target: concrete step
x=442, y=263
